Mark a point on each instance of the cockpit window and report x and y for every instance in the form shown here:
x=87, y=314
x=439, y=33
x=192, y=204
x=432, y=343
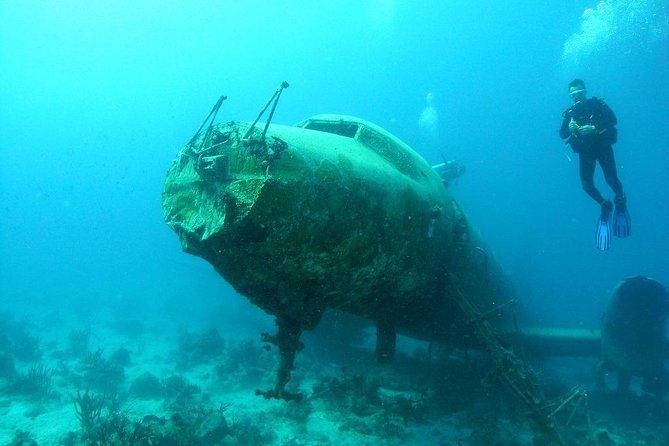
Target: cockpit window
x=387, y=149
x=341, y=128
x=396, y=154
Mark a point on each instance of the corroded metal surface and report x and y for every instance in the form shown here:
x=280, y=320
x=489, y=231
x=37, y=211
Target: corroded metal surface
x=307, y=220
x=634, y=339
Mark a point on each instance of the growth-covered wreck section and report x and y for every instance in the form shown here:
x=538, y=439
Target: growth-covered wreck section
x=337, y=213
x=334, y=213
x=307, y=219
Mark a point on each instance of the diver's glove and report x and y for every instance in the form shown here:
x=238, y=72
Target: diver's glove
x=586, y=129
x=576, y=129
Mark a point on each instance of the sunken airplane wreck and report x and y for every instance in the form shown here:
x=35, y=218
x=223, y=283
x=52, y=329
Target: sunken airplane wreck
x=337, y=213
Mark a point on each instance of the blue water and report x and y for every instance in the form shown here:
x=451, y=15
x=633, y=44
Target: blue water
x=96, y=98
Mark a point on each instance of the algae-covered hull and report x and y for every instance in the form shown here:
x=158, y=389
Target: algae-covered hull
x=336, y=213
x=332, y=213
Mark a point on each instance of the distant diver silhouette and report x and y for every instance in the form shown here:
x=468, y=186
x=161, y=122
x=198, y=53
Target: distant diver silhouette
x=428, y=123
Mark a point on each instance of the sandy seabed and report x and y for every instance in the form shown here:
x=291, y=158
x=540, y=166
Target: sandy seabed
x=123, y=381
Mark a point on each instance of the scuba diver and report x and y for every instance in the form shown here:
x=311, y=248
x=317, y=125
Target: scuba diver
x=449, y=170
x=589, y=126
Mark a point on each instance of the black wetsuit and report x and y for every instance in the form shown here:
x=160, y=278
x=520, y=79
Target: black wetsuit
x=595, y=146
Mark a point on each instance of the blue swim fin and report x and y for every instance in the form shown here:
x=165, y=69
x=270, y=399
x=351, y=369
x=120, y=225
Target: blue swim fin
x=603, y=235
x=622, y=223
x=603, y=241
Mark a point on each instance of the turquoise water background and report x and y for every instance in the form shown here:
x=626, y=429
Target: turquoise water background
x=96, y=98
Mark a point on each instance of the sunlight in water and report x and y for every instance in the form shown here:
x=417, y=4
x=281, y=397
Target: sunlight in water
x=382, y=15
